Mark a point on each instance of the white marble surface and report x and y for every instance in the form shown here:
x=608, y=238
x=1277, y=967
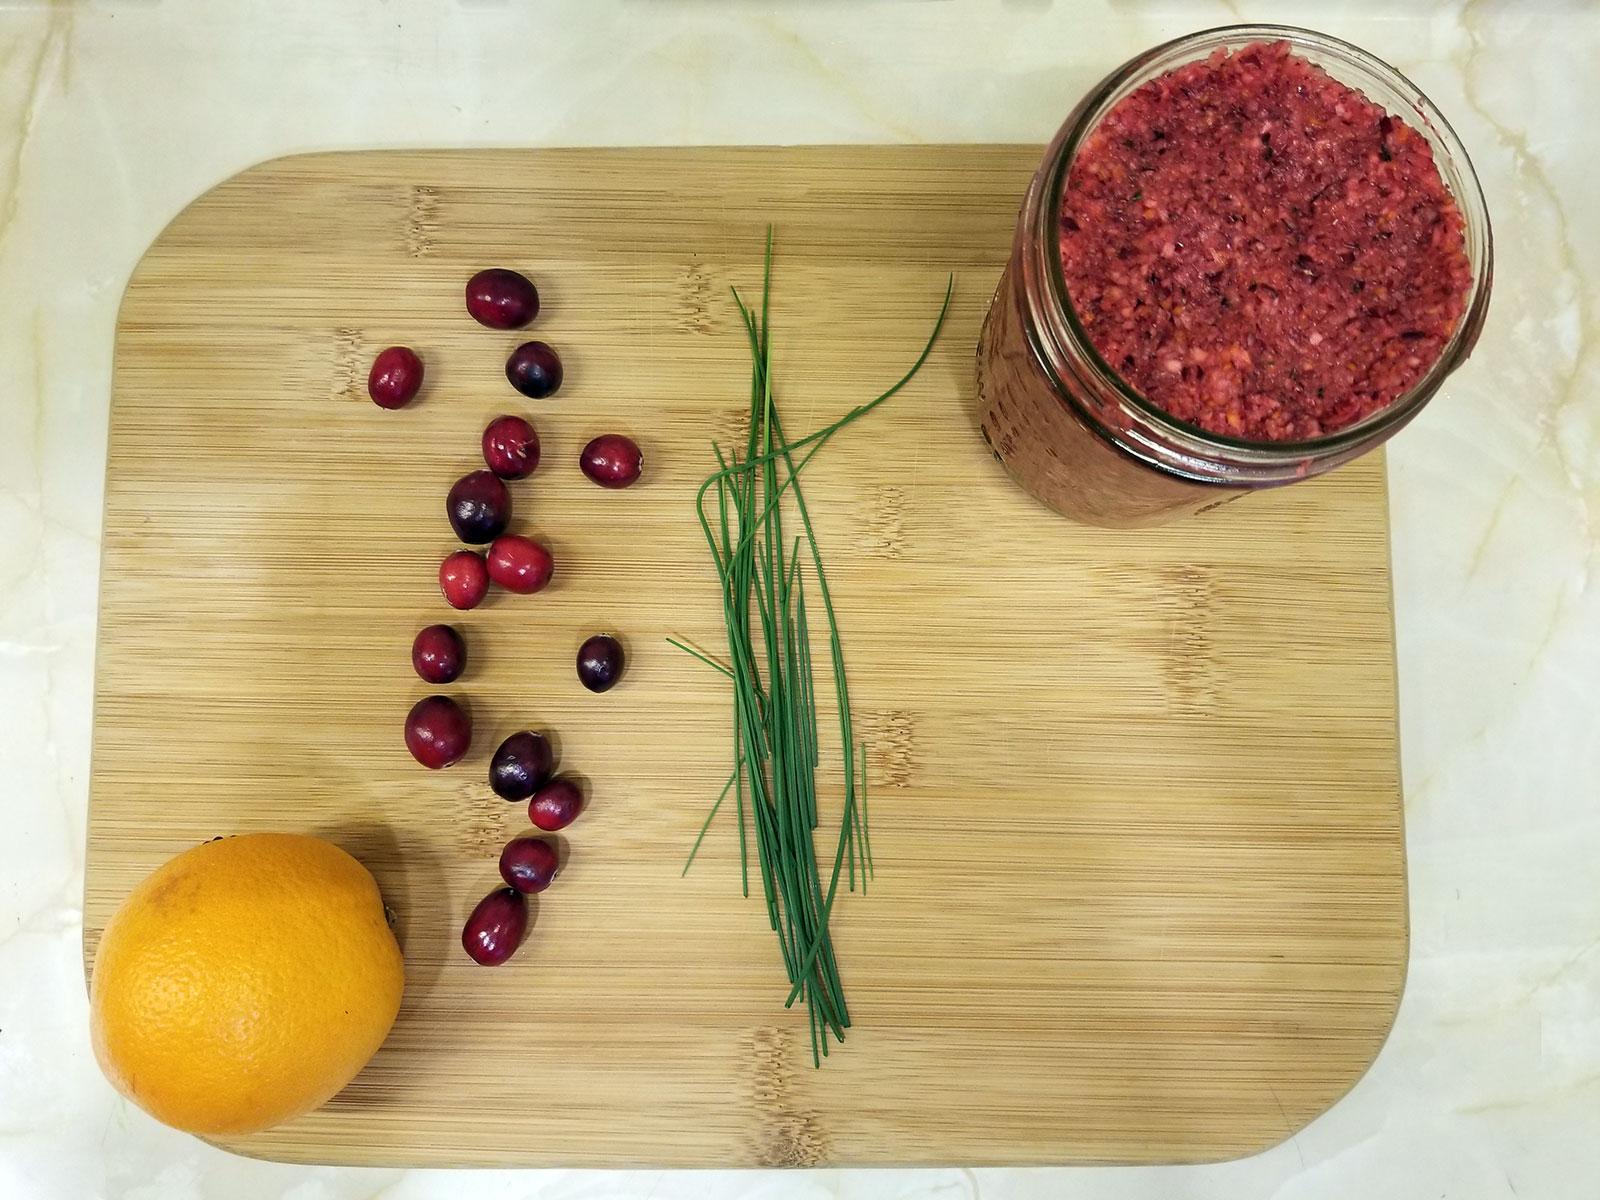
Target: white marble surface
x=113, y=115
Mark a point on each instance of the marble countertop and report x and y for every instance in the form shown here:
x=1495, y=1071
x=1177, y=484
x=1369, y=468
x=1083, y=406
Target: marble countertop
x=114, y=115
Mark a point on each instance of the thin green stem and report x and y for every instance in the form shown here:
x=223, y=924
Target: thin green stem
x=707, y=824
x=705, y=658
x=776, y=744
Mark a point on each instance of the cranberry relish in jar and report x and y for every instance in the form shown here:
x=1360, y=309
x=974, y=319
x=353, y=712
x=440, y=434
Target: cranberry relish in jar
x=1261, y=250
x=1249, y=256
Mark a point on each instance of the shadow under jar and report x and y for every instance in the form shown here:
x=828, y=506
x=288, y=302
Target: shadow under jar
x=1083, y=439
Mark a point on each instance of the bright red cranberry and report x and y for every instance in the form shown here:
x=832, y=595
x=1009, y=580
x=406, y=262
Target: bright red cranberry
x=438, y=731
x=521, y=766
x=529, y=864
x=520, y=564
x=464, y=579
x=439, y=654
x=502, y=299
x=496, y=927
x=395, y=377
x=600, y=662
x=556, y=805
x=534, y=369
x=611, y=460
x=511, y=447
x=479, y=507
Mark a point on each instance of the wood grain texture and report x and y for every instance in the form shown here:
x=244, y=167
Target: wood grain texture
x=1135, y=803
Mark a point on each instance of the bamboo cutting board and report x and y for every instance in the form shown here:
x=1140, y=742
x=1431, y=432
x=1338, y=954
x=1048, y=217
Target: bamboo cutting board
x=1134, y=797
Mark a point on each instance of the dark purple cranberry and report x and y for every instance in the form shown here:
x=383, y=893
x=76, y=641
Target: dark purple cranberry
x=520, y=564
x=600, y=662
x=611, y=460
x=511, y=447
x=529, y=864
x=534, y=369
x=502, y=299
x=438, y=731
x=439, y=654
x=521, y=765
x=556, y=805
x=464, y=579
x=395, y=377
x=496, y=927
x=479, y=507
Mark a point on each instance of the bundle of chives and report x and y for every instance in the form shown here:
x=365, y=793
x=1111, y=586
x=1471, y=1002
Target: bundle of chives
x=775, y=742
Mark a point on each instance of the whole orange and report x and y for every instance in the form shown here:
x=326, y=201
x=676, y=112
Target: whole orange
x=244, y=983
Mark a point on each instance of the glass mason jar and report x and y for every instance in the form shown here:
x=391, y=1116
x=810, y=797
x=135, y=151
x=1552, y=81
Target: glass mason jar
x=1082, y=439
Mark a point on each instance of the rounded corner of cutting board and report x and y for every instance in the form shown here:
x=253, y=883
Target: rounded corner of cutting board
x=175, y=224
x=1271, y=1138
x=1402, y=973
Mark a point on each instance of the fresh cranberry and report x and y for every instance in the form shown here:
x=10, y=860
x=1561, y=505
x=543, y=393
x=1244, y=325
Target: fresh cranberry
x=464, y=579
x=600, y=662
x=611, y=460
x=438, y=732
x=521, y=766
x=529, y=864
x=520, y=564
x=496, y=927
x=556, y=805
x=511, y=447
x=395, y=377
x=502, y=299
x=534, y=369
x=479, y=507
x=439, y=654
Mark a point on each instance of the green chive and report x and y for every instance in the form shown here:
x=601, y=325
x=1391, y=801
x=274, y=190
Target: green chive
x=776, y=744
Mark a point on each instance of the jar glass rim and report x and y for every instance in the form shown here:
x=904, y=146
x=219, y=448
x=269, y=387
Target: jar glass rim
x=1455, y=169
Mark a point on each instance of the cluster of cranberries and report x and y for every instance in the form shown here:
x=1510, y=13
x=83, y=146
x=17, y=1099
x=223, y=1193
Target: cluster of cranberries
x=504, y=299
x=522, y=769
x=438, y=729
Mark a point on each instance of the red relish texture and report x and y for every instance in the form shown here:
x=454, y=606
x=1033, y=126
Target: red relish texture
x=1260, y=250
